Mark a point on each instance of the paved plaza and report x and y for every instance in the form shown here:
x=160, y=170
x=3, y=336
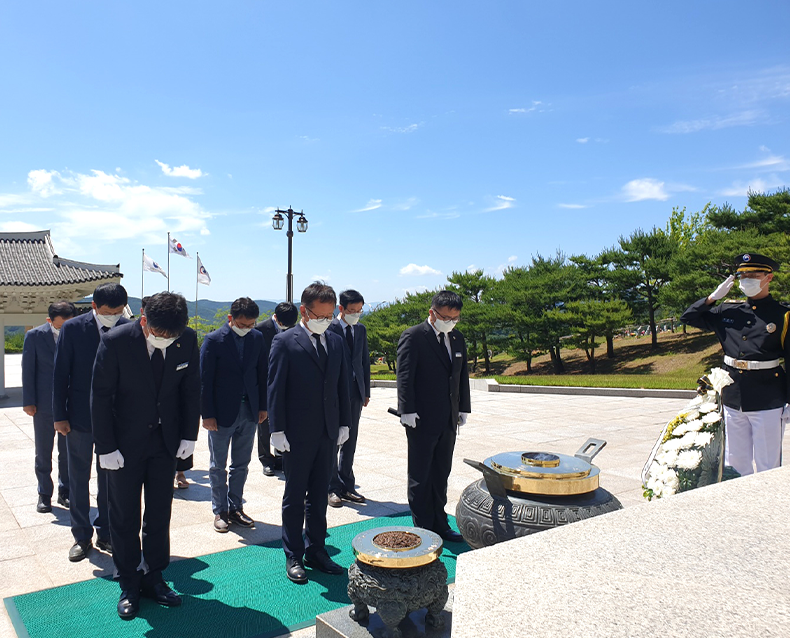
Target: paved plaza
x=34, y=547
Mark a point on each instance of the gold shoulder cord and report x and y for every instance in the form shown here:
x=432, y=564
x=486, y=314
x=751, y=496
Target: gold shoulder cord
x=784, y=328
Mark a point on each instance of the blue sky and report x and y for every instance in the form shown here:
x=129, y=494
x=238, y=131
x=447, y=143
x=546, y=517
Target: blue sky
x=419, y=138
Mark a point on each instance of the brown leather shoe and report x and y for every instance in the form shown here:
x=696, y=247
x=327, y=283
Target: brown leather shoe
x=221, y=523
x=238, y=517
x=334, y=500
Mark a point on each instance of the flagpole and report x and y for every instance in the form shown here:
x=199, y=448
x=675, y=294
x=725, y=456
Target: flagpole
x=142, y=277
x=168, y=261
x=197, y=275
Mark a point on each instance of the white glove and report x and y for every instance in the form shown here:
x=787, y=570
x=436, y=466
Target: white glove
x=111, y=461
x=462, y=416
x=409, y=419
x=342, y=435
x=279, y=442
x=786, y=414
x=185, y=449
x=723, y=289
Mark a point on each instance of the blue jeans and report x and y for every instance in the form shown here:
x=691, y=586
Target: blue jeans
x=227, y=489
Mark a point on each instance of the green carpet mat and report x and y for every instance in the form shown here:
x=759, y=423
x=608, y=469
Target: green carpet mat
x=239, y=593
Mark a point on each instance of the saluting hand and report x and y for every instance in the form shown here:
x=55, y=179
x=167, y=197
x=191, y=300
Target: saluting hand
x=722, y=290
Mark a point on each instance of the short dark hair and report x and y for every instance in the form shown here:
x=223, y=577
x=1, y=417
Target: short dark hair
x=447, y=299
x=244, y=307
x=318, y=291
x=144, y=302
x=347, y=297
x=110, y=295
x=167, y=312
x=64, y=309
x=287, y=313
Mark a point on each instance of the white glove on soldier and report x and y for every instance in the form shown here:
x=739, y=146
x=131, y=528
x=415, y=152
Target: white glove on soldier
x=185, y=449
x=462, y=416
x=723, y=289
x=111, y=461
x=409, y=419
x=279, y=442
x=342, y=435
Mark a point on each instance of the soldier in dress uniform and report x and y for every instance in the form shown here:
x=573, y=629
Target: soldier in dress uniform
x=753, y=335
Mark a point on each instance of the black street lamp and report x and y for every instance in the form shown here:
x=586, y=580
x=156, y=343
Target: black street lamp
x=301, y=226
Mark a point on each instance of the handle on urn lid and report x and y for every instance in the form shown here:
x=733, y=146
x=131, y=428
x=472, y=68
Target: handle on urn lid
x=590, y=449
x=492, y=479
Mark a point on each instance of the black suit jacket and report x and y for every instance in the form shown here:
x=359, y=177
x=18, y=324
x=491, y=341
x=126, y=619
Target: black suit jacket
x=360, y=358
x=268, y=330
x=428, y=383
x=74, y=357
x=304, y=400
x=125, y=404
x=38, y=365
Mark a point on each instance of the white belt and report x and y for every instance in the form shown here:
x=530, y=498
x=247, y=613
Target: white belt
x=751, y=365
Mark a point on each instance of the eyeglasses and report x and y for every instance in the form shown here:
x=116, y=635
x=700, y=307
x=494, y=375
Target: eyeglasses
x=751, y=275
x=315, y=316
x=443, y=318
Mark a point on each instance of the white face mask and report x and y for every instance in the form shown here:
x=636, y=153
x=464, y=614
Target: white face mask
x=318, y=326
x=240, y=331
x=750, y=287
x=108, y=321
x=445, y=326
x=352, y=318
x=160, y=342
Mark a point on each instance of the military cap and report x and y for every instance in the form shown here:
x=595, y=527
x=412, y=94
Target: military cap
x=752, y=262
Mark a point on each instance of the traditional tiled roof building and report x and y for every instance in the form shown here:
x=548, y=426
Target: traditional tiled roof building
x=32, y=276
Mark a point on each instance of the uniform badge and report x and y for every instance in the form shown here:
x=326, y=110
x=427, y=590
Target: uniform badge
x=747, y=258
x=771, y=327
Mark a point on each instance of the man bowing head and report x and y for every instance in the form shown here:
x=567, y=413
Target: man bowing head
x=309, y=415
x=145, y=406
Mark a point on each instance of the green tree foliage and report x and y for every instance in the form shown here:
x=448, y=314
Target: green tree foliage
x=764, y=213
x=479, y=316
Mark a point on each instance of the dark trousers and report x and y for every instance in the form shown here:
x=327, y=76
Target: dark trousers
x=429, y=463
x=182, y=465
x=45, y=436
x=265, y=455
x=343, y=463
x=307, y=468
x=79, y=446
x=152, y=477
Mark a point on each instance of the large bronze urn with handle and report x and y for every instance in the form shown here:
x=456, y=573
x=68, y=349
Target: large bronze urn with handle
x=526, y=492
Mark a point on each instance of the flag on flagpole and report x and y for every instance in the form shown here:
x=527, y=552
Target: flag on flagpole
x=203, y=276
x=177, y=248
x=151, y=266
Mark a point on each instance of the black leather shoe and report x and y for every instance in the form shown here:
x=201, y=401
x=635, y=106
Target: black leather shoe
x=162, y=594
x=104, y=545
x=295, y=571
x=221, y=522
x=79, y=551
x=128, y=605
x=63, y=500
x=354, y=497
x=323, y=563
x=334, y=500
x=268, y=470
x=44, y=504
x=238, y=517
x=451, y=536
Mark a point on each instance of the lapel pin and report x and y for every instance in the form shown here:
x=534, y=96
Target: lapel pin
x=771, y=327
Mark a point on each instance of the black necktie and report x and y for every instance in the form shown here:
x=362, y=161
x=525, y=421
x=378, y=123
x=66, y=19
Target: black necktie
x=350, y=339
x=443, y=343
x=105, y=329
x=322, y=357
x=158, y=367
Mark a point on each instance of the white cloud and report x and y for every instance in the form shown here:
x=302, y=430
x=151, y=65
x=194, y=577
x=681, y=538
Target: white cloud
x=745, y=118
x=582, y=140
x=18, y=227
x=403, y=129
x=772, y=162
x=414, y=269
x=406, y=205
x=638, y=190
x=372, y=204
x=180, y=171
x=471, y=268
x=512, y=258
x=757, y=185
x=307, y=139
x=501, y=202
x=43, y=182
x=537, y=105
x=572, y=206
x=450, y=214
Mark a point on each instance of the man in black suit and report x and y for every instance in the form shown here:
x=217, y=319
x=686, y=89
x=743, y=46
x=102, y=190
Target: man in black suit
x=284, y=317
x=433, y=401
x=145, y=407
x=38, y=363
x=76, y=351
x=342, y=486
x=309, y=415
x=233, y=370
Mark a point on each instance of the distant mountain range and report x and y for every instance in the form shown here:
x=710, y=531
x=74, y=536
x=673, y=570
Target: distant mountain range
x=207, y=309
